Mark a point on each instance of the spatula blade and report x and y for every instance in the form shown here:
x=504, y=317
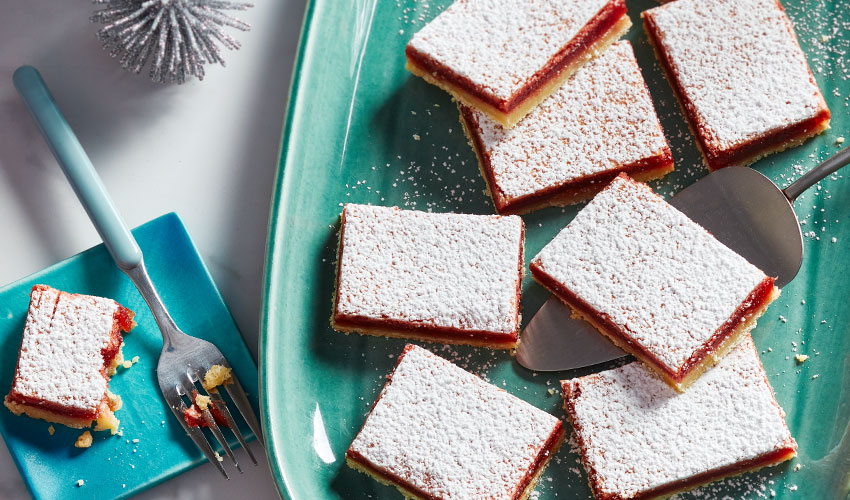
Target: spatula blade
x=748, y=213
x=554, y=341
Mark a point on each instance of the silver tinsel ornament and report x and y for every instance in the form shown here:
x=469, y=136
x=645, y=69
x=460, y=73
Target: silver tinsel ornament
x=176, y=37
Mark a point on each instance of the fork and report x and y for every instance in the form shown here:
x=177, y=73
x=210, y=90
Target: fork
x=185, y=360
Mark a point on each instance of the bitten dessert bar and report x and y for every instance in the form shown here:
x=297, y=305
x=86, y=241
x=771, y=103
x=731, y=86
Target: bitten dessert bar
x=71, y=345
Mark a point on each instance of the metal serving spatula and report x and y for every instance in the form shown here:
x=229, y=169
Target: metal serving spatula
x=740, y=207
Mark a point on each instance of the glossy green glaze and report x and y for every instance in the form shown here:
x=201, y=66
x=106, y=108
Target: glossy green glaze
x=362, y=129
x=115, y=467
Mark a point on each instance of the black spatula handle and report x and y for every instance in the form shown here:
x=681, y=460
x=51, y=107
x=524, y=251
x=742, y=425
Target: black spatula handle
x=816, y=174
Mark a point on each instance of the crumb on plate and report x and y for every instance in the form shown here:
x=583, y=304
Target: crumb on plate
x=84, y=441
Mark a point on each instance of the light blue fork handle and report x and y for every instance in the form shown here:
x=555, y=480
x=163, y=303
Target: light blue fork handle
x=78, y=168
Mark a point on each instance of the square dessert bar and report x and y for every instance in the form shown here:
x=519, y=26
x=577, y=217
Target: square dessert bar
x=599, y=123
x=438, y=432
x=70, y=347
x=740, y=76
x=655, y=282
x=640, y=439
x=504, y=57
x=437, y=277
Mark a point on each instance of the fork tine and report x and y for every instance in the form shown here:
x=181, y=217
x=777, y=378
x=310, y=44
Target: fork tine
x=237, y=394
x=222, y=405
x=213, y=426
x=195, y=433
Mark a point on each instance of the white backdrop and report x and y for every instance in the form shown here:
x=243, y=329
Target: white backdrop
x=207, y=150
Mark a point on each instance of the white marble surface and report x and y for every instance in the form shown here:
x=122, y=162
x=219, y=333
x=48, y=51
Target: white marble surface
x=207, y=150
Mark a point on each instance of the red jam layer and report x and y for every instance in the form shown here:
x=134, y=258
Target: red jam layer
x=425, y=332
x=594, y=30
x=745, y=151
x=55, y=408
x=194, y=417
x=122, y=320
x=756, y=299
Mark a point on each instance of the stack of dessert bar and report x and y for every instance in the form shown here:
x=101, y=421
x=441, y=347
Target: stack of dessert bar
x=557, y=112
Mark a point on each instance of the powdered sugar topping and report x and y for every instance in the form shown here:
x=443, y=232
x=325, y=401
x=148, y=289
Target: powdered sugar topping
x=652, y=271
x=450, y=434
x=739, y=63
x=501, y=44
x=442, y=270
x=601, y=119
x=628, y=416
x=61, y=359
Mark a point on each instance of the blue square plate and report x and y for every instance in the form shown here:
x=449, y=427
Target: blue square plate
x=116, y=466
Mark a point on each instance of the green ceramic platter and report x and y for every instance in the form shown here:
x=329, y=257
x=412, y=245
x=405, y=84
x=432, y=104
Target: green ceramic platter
x=361, y=129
